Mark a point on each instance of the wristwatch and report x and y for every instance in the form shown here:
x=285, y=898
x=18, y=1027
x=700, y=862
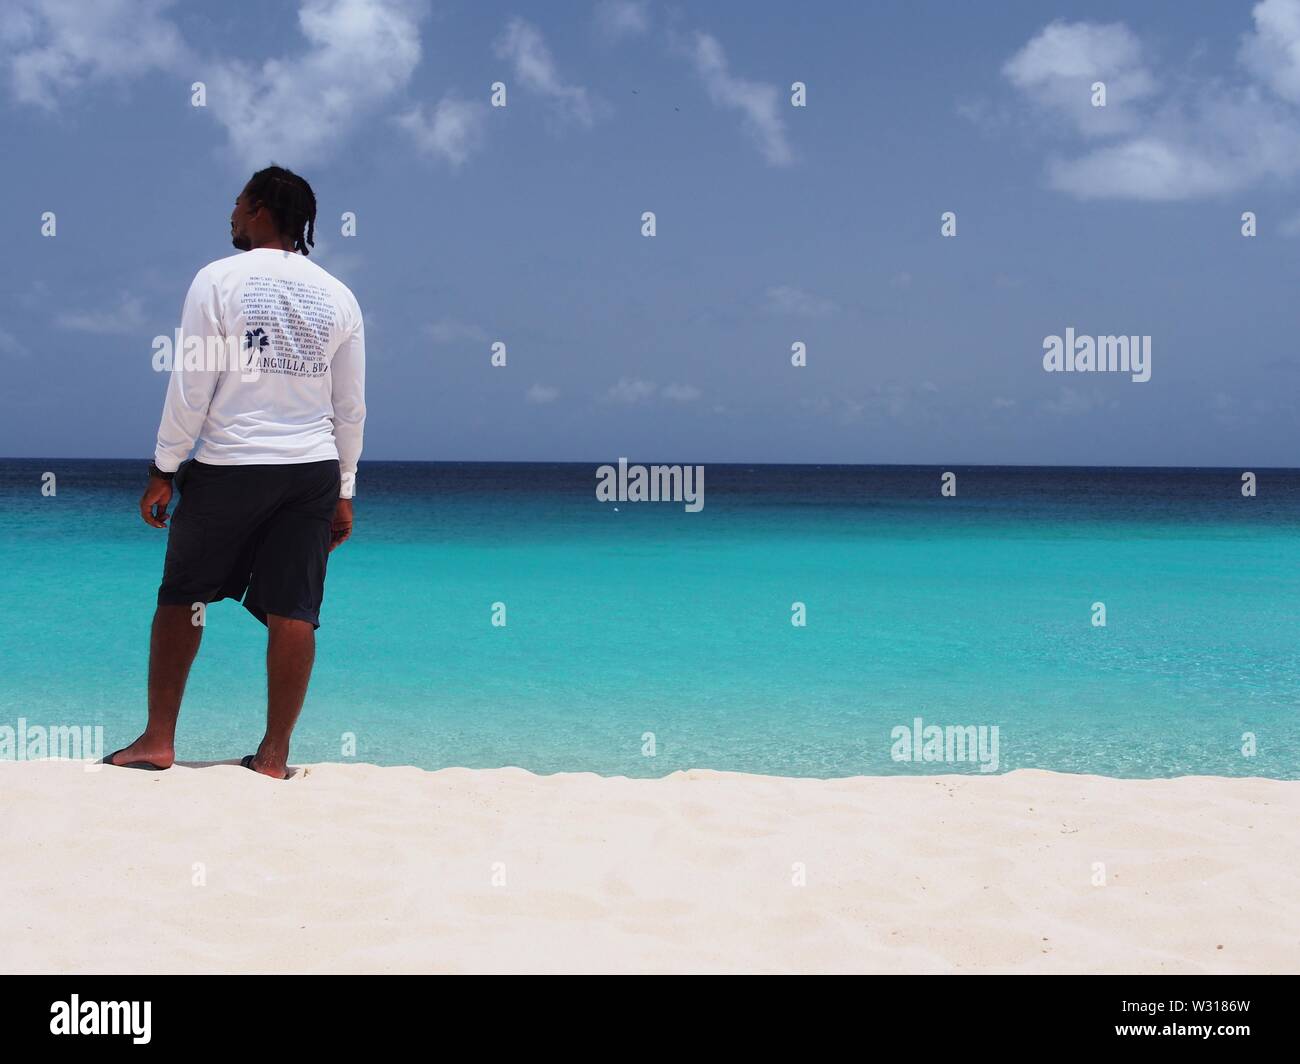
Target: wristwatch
x=154, y=471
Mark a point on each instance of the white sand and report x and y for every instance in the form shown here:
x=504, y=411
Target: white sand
x=354, y=868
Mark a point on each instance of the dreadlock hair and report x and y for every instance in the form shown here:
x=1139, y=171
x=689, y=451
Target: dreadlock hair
x=291, y=202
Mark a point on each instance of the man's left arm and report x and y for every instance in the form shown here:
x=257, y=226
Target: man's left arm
x=348, y=393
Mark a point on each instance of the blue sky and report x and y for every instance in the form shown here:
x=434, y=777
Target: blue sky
x=775, y=224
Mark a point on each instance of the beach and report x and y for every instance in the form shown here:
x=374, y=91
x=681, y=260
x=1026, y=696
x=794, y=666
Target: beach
x=359, y=868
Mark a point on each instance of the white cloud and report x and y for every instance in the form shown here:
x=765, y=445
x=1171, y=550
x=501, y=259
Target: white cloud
x=11, y=345
x=681, y=393
x=759, y=104
x=451, y=131
x=294, y=108
x=631, y=390
x=1071, y=402
x=906, y=403
x=126, y=317
x=52, y=48
x=1167, y=141
x=297, y=109
x=619, y=19
x=451, y=331
x=542, y=393
x=787, y=299
x=1272, y=52
x=1059, y=66
x=1145, y=168
x=522, y=44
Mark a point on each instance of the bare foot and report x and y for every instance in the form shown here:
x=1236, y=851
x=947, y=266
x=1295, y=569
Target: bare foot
x=276, y=770
x=144, y=749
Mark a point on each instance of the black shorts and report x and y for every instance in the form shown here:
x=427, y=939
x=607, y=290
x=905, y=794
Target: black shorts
x=258, y=533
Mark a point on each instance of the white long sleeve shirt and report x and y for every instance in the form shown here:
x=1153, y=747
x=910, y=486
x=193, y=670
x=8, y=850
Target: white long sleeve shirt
x=279, y=376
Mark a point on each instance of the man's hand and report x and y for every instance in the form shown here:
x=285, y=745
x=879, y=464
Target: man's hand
x=341, y=527
x=153, y=503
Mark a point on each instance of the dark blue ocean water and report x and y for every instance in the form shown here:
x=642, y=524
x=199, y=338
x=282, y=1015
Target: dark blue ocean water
x=649, y=620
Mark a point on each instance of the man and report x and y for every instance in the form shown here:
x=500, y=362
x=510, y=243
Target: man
x=268, y=494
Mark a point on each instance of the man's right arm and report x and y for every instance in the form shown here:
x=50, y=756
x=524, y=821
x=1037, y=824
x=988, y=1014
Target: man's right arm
x=190, y=391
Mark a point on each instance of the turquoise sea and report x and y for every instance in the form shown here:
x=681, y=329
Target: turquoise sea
x=973, y=610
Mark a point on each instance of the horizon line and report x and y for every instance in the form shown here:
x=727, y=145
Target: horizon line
x=791, y=465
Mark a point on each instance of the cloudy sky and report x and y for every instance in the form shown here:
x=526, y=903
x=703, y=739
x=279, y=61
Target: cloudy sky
x=775, y=224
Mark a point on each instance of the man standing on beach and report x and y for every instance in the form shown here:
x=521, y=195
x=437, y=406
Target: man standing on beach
x=268, y=493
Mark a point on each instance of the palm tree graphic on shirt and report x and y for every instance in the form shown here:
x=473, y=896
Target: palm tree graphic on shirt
x=256, y=338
